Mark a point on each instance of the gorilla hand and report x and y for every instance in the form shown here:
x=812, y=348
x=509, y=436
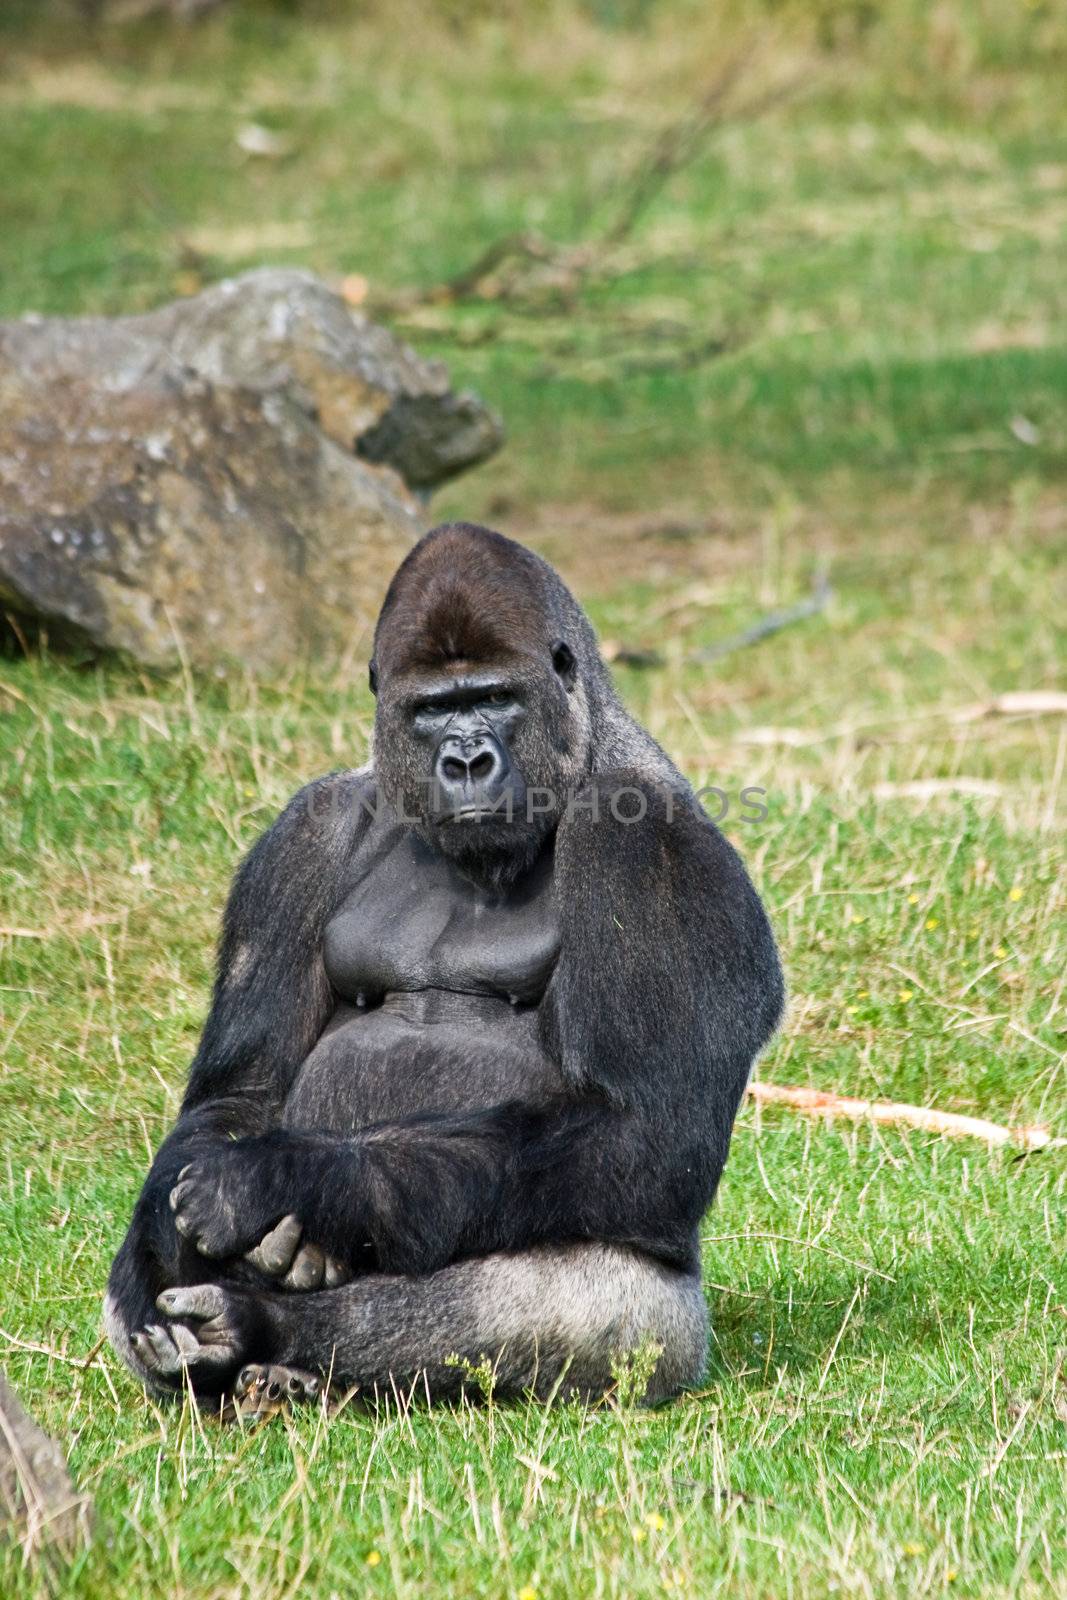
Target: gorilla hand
x=282, y=1256
x=226, y=1200
x=227, y=1324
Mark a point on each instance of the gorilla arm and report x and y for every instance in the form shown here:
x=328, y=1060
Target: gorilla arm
x=271, y=1002
x=666, y=988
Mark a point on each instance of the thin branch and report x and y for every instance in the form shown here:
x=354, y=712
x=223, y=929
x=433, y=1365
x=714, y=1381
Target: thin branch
x=681, y=142
x=763, y=628
x=677, y=145
x=770, y=624
x=820, y=1103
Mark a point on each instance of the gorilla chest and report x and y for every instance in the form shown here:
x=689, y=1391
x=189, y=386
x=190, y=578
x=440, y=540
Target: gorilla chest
x=412, y=922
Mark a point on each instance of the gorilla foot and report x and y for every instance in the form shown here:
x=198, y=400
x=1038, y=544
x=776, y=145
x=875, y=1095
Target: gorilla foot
x=261, y=1391
x=225, y=1324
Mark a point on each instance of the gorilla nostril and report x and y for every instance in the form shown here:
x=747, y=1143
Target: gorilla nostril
x=453, y=769
x=482, y=765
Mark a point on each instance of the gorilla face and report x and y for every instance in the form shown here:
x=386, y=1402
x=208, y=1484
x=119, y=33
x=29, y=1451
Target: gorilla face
x=482, y=727
x=479, y=758
x=468, y=725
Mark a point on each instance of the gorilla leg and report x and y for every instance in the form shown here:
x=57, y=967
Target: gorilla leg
x=547, y=1317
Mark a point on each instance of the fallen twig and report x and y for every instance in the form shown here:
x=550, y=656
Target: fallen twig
x=773, y=622
x=1016, y=703
x=498, y=274
x=679, y=143
x=934, y=788
x=821, y=1103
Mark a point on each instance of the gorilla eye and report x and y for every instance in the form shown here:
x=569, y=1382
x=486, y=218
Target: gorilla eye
x=499, y=697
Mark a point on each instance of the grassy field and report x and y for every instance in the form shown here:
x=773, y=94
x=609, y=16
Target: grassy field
x=834, y=341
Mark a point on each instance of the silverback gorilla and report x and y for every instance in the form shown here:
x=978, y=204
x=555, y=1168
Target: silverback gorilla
x=484, y=1013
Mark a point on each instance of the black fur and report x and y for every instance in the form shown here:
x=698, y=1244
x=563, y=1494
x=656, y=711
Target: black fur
x=598, y=1107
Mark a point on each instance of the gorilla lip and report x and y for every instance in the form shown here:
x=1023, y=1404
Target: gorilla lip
x=469, y=814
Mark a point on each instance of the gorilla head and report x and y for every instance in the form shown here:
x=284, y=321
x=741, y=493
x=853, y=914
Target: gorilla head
x=483, y=718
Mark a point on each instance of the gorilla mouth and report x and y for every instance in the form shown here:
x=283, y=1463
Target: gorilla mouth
x=473, y=813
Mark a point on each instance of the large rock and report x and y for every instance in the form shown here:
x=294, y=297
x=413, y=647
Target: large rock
x=191, y=481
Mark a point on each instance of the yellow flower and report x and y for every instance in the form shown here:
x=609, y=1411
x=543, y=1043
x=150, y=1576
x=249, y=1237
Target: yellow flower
x=1015, y=893
x=855, y=918
x=931, y=924
x=527, y=1592
x=1000, y=952
x=863, y=994
x=638, y=1535
x=656, y=1521
x=973, y=934
x=852, y=1008
x=905, y=995
x=913, y=899
x=374, y=1558
x=951, y=1574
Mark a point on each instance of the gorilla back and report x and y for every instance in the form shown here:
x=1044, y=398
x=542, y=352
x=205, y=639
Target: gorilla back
x=484, y=1014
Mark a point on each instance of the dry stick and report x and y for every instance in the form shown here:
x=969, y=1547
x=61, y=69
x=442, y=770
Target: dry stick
x=680, y=142
x=763, y=628
x=819, y=1103
x=465, y=284
x=677, y=145
x=773, y=622
x=674, y=147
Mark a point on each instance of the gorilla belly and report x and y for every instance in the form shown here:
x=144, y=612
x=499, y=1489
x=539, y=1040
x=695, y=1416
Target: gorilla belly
x=430, y=1050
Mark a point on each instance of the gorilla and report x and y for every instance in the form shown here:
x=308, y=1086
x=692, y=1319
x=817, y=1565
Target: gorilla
x=484, y=1013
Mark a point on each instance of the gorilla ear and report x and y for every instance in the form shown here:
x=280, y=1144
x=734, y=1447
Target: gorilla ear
x=372, y=676
x=564, y=662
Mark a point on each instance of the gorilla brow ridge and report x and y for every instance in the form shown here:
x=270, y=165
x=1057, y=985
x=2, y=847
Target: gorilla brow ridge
x=438, y=615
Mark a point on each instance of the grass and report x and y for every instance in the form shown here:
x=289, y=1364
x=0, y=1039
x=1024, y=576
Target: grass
x=886, y=1406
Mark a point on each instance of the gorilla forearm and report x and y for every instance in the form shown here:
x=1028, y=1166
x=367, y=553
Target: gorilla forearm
x=270, y=1004
x=412, y=1196
x=154, y=1254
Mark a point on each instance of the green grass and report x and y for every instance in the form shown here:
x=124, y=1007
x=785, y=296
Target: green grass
x=886, y=1407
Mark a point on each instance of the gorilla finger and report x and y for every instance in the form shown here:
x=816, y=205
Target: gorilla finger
x=200, y=1301
x=211, y=1356
x=307, y=1269
x=188, y=1344
x=157, y=1350
x=275, y=1252
x=178, y=1195
x=335, y=1273
x=146, y=1353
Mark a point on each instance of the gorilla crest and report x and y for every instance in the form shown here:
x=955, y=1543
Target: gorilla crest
x=483, y=1017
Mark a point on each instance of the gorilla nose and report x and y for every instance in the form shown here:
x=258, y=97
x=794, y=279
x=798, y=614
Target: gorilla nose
x=467, y=768
x=463, y=769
